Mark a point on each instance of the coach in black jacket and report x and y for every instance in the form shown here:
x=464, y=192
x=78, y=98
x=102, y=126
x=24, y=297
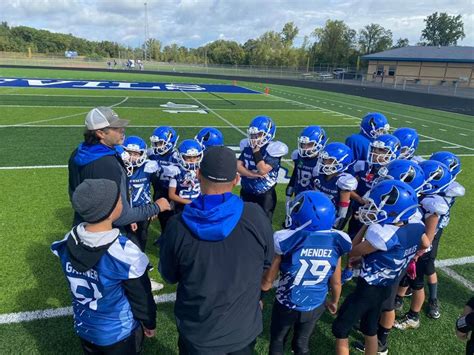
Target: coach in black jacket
x=217, y=250
x=99, y=157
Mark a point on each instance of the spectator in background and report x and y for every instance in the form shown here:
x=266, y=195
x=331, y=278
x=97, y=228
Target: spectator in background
x=100, y=157
x=217, y=250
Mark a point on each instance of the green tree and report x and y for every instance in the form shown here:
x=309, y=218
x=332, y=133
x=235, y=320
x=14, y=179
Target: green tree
x=225, y=52
x=334, y=43
x=374, y=38
x=288, y=34
x=443, y=30
x=153, y=48
x=401, y=42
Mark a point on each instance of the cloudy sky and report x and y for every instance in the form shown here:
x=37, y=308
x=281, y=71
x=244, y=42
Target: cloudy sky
x=195, y=22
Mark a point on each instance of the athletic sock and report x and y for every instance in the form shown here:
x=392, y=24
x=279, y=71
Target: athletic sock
x=382, y=334
x=433, y=290
x=413, y=315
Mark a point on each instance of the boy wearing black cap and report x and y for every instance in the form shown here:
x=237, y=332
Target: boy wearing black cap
x=111, y=292
x=217, y=250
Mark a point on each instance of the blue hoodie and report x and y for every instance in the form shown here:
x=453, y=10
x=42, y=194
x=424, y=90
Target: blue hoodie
x=213, y=217
x=87, y=153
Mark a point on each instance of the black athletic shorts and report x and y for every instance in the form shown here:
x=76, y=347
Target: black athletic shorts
x=130, y=345
x=364, y=304
x=267, y=200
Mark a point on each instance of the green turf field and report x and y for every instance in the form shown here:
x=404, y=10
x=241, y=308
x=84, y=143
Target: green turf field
x=41, y=127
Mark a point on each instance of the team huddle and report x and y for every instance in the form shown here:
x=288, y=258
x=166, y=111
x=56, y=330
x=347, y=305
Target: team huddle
x=393, y=204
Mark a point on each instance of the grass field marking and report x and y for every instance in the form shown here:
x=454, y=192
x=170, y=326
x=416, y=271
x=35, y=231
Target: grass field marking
x=393, y=113
x=19, y=317
x=32, y=167
x=119, y=103
x=463, y=134
x=427, y=140
x=175, y=126
x=454, y=275
x=421, y=135
x=215, y=113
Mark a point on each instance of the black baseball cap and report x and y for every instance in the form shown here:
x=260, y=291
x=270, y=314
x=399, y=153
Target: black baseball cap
x=219, y=164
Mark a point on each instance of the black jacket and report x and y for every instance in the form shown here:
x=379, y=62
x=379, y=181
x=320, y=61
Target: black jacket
x=109, y=167
x=217, y=303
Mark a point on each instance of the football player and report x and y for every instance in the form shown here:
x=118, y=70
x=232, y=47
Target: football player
x=259, y=164
x=308, y=258
x=210, y=137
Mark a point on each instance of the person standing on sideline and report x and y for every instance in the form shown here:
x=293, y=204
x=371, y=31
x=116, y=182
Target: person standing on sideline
x=217, y=250
x=111, y=293
x=100, y=157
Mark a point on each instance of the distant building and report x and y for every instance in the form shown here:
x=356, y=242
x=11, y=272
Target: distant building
x=423, y=65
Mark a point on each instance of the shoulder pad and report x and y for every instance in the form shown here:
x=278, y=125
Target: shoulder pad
x=277, y=149
x=295, y=155
x=171, y=170
x=435, y=204
x=417, y=217
x=455, y=189
x=347, y=182
x=379, y=235
x=280, y=236
x=151, y=166
x=129, y=254
x=244, y=143
x=343, y=235
x=359, y=165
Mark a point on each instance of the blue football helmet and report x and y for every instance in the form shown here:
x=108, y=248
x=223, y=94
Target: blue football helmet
x=334, y=158
x=187, y=150
x=409, y=140
x=437, y=177
x=210, y=137
x=403, y=170
x=163, y=140
x=310, y=210
x=311, y=141
x=131, y=145
x=389, y=201
x=449, y=159
x=383, y=149
x=261, y=131
x=374, y=124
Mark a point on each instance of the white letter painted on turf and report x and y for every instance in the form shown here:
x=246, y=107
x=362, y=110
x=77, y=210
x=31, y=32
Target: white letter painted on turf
x=3, y=81
x=34, y=82
x=91, y=84
x=184, y=87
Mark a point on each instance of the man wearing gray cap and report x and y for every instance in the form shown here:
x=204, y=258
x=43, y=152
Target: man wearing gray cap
x=111, y=293
x=217, y=250
x=100, y=157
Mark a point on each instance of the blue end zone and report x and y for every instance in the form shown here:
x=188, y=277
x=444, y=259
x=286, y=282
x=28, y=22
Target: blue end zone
x=121, y=85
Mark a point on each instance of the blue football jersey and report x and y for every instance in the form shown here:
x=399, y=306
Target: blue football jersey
x=366, y=174
x=453, y=191
x=272, y=153
x=186, y=183
x=163, y=162
x=359, y=145
x=308, y=262
x=396, y=248
x=333, y=186
x=306, y=172
x=140, y=183
x=102, y=312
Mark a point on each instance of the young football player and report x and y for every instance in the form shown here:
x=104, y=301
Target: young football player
x=308, y=259
x=409, y=141
x=259, y=164
x=434, y=207
x=373, y=124
x=310, y=142
x=140, y=171
x=210, y=137
x=163, y=142
x=184, y=186
x=386, y=243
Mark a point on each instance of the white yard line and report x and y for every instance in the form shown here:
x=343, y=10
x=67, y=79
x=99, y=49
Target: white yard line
x=176, y=126
x=19, y=317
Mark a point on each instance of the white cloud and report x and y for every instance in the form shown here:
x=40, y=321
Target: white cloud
x=193, y=23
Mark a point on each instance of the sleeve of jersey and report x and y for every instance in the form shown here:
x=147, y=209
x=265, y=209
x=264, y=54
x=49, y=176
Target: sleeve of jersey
x=344, y=241
x=295, y=155
x=435, y=205
x=130, y=261
x=376, y=236
x=358, y=166
x=173, y=182
x=455, y=189
x=151, y=167
x=347, y=182
x=244, y=143
x=170, y=171
x=140, y=297
x=281, y=240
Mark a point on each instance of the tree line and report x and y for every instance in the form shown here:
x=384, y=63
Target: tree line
x=334, y=44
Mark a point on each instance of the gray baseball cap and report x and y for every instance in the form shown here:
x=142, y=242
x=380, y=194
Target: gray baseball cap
x=103, y=117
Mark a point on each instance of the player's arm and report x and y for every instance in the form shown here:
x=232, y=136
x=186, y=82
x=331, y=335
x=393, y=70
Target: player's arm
x=243, y=171
x=355, y=197
x=262, y=167
x=360, y=234
x=465, y=323
x=431, y=223
x=271, y=274
x=291, y=184
x=336, y=287
x=425, y=242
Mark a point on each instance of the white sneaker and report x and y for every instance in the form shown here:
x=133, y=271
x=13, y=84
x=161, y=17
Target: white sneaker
x=407, y=323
